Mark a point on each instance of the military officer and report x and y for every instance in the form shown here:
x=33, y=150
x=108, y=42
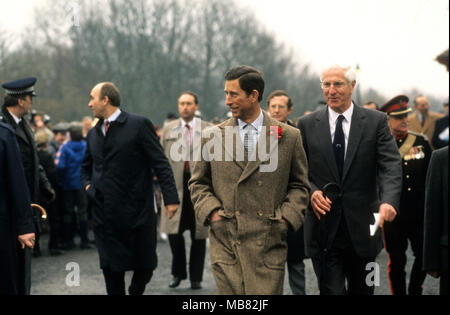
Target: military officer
x=416, y=153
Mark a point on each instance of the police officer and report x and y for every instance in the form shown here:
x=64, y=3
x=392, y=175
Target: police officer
x=16, y=218
x=17, y=103
x=416, y=153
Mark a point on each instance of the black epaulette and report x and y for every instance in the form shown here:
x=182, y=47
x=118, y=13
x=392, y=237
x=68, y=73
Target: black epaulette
x=425, y=138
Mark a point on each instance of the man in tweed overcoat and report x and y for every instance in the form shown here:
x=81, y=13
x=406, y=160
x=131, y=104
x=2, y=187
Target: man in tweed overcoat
x=248, y=206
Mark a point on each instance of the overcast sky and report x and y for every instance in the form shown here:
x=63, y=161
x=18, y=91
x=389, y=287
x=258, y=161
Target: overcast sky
x=395, y=42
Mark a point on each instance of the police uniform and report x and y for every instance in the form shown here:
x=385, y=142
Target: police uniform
x=37, y=182
x=15, y=211
x=415, y=151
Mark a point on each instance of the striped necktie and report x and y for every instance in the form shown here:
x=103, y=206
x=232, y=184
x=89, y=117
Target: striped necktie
x=249, y=139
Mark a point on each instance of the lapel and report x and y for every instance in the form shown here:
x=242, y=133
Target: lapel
x=324, y=139
x=19, y=131
x=230, y=148
x=354, y=138
x=255, y=160
x=428, y=123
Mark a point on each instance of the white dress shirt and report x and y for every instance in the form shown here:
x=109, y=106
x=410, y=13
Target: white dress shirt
x=257, y=128
x=346, y=123
x=111, y=118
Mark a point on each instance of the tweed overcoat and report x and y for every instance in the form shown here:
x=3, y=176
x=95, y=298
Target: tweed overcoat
x=428, y=128
x=171, y=140
x=248, y=246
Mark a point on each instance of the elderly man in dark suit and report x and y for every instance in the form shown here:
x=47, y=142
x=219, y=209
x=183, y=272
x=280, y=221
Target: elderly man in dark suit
x=351, y=150
x=16, y=218
x=435, y=258
x=121, y=152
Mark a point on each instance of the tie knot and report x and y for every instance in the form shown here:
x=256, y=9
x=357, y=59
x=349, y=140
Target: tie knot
x=188, y=126
x=107, y=123
x=341, y=118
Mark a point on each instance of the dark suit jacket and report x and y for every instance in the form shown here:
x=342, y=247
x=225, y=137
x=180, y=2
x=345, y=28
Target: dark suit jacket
x=440, y=126
x=36, y=178
x=436, y=210
x=119, y=169
x=372, y=160
x=16, y=217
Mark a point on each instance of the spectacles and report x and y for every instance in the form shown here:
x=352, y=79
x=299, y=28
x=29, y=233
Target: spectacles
x=337, y=85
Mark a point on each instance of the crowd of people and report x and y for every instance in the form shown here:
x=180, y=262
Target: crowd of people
x=117, y=174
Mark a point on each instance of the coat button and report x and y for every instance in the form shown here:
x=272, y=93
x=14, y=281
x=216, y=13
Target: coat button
x=260, y=213
x=238, y=243
x=409, y=189
x=260, y=183
x=407, y=176
x=406, y=163
x=237, y=213
x=259, y=243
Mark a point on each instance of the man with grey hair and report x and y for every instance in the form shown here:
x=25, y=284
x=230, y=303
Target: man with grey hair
x=350, y=153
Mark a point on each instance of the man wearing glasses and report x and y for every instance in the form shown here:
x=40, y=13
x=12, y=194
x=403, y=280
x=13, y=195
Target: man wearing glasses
x=352, y=149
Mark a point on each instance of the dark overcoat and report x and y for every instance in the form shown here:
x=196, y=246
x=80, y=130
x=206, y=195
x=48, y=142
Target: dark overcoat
x=436, y=212
x=118, y=167
x=38, y=184
x=16, y=216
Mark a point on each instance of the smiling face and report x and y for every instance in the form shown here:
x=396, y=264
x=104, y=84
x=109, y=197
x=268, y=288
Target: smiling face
x=242, y=106
x=337, y=90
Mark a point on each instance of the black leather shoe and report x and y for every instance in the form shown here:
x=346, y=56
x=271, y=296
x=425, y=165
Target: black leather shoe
x=196, y=285
x=175, y=282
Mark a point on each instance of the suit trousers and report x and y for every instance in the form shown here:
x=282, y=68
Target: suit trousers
x=341, y=263
x=177, y=243
x=115, y=282
x=443, y=290
x=396, y=235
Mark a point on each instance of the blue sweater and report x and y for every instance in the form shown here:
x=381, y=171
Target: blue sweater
x=71, y=156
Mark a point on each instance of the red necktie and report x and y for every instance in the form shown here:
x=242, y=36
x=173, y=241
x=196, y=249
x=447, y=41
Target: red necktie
x=107, y=123
x=188, y=139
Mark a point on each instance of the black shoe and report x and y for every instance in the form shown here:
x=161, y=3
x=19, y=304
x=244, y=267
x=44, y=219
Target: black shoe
x=196, y=285
x=175, y=282
x=85, y=246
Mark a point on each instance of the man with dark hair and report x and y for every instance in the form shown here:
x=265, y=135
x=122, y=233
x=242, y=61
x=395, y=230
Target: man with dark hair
x=18, y=102
x=16, y=218
x=74, y=199
x=248, y=207
x=122, y=149
x=279, y=107
x=187, y=130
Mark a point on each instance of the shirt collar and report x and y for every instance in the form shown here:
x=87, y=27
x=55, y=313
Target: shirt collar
x=257, y=124
x=114, y=116
x=16, y=119
x=191, y=123
x=347, y=114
